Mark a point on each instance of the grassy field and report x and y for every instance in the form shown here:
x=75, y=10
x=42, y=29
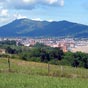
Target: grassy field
x=14, y=80
x=33, y=68
x=35, y=75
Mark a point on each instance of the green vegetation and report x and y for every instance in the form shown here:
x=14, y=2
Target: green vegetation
x=26, y=74
x=8, y=42
x=45, y=54
x=34, y=68
x=11, y=80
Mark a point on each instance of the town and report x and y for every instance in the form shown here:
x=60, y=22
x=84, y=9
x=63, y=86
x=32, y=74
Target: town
x=66, y=44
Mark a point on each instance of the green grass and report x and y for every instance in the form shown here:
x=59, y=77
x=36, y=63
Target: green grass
x=35, y=75
x=33, y=68
x=14, y=80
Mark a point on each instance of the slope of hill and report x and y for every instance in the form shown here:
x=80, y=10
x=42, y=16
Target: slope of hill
x=42, y=69
x=25, y=74
x=27, y=27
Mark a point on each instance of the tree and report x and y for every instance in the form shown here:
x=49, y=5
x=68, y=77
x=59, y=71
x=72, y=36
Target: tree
x=44, y=56
x=85, y=61
x=57, y=53
x=12, y=50
x=75, y=63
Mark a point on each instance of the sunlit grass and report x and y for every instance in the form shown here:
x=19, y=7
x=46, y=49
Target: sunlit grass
x=18, y=80
x=33, y=68
x=25, y=74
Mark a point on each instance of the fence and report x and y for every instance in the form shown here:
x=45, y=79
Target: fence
x=34, y=68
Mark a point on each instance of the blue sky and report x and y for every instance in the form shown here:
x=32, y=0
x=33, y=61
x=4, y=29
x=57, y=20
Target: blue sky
x=50, y=10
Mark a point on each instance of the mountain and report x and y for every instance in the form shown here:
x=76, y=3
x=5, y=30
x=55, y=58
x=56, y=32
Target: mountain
x=31, y=28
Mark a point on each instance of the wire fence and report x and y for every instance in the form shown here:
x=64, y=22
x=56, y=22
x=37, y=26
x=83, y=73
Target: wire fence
x=34, y=68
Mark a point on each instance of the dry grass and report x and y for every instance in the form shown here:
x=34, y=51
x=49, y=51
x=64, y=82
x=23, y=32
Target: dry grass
x=34, y=68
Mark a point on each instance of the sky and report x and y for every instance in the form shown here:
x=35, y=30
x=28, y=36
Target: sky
x=49, y=10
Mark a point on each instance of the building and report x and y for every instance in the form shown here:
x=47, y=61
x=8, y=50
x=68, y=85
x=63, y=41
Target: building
x=2, y=51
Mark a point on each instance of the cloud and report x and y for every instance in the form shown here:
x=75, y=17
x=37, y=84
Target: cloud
x=4, y=12
x=56, y=2
x=19, y=16
x=30, y=4
x=62, y=3
x=29, y=1
x=37, y=19
x=50, y=20
x=6, y=6
x=4, y=21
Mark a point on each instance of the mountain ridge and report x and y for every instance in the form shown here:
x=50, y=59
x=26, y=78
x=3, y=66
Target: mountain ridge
x=31, y=28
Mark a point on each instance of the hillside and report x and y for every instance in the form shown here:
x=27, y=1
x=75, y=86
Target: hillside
x=34, y=75
x=31, y=28
x=42, y=69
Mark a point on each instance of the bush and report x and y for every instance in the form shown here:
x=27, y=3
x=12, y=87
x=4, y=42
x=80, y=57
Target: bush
x=53, y=61
x=35, y=59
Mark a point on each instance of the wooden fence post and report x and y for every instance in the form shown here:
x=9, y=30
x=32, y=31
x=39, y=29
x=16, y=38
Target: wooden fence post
x=9, y=66
x=48, y=68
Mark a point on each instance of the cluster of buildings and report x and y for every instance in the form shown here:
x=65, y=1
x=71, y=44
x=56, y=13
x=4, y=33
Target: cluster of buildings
x=66, y=44
x=80, y=45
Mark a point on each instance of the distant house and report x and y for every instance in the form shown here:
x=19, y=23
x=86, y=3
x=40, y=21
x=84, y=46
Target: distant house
x=63, y=46
x=2, y=51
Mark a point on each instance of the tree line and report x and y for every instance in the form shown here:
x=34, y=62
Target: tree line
x=43, y=53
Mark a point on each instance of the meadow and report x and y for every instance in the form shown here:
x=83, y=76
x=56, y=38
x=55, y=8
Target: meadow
x=24, y=74
x=18, y=80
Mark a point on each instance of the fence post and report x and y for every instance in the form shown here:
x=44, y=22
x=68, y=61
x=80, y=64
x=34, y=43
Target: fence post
x=9, y=66
x=48, y=68
x=61, y=70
